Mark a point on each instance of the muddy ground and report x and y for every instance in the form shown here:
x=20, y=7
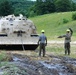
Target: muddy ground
x=27, y=63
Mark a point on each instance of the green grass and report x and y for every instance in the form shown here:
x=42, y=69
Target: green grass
x=58, y=50
x=2, y=55
x=53, y=24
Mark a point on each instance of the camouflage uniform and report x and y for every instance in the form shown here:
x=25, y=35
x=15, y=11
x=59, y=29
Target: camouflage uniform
x=43, y=43
x=67, y=41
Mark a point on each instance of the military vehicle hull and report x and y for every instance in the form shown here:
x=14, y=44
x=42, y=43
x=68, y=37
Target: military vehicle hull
x=18, y=43
x=19, y=47
x=17, y=33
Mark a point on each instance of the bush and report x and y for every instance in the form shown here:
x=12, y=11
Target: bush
x=74, y=16
x=32, y=14
x=65, y=20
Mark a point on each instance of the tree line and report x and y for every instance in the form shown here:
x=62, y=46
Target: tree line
x=16, y=7
x=49, y=6
x=33, y=8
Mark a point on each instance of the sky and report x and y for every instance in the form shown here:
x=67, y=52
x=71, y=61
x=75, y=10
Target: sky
x=33, y=0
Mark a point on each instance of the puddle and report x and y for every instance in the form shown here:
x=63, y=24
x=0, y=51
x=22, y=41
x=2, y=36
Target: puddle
x=15, y=59
x=1, y=72
x=60, y=67
x=73, y=62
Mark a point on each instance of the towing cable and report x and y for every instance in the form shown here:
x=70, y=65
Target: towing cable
x=20, y=34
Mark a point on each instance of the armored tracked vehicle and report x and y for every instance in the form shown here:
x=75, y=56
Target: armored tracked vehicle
x=17, y=33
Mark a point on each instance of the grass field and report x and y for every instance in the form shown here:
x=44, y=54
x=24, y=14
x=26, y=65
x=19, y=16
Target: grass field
x=58, y=50
x=54, y=24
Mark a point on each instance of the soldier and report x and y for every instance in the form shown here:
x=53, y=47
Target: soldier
x=43, y=42
x=67, y=36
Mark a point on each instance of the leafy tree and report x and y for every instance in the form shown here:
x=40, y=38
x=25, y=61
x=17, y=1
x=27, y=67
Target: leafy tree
x=22, y=6
x=43, y=7
x=63, y=5
x=73, y=6
x=5, y=8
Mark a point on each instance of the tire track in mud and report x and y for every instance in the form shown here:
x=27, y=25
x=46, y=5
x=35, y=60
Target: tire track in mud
x=34, y=65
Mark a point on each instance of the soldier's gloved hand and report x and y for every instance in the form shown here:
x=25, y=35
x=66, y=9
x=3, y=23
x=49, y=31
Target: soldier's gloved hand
x=71, y=31
x=59, y=36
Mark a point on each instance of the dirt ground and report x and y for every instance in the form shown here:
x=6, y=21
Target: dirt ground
x=28, y=62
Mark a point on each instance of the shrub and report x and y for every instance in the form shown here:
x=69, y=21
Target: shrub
x=32, y=14
x=74, y=16
x=65, y=20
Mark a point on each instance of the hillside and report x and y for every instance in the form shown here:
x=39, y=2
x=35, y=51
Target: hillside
x=54, y=24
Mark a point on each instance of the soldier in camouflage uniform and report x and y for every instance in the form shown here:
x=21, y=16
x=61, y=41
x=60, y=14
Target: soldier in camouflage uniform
x=42, y=42
x=67, y=36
